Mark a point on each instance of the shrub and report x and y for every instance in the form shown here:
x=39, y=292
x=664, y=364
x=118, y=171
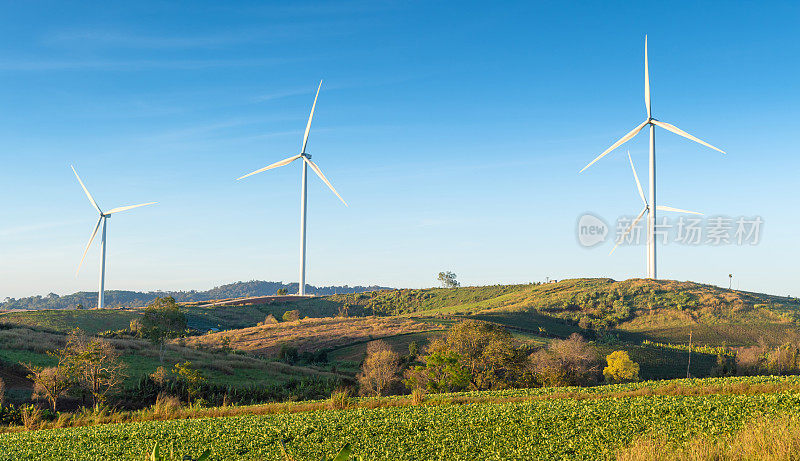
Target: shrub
x=340, y=399
x=620, y=368
x=380, y=369
x=567, y=362
x=291, y=316
x=166, y=405
x=31, y=416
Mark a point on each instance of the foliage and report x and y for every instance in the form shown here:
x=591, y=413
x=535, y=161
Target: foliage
x=620, y=368
x=568, y=362
x=157, y=454
x=94, y=364
x=476, y=354
x=162, y=320
x=121, y=298
x=190, y=376
x=448, y=280
x=291, y=316
x=498, y=424
x=380, y=369
x=50, y=383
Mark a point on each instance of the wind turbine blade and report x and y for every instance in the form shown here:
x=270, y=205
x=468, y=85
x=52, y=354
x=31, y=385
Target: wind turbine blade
x=86, y=190
x=677, y=210
x=646, y=80
x=621, y=141
x=91, y=239
x=310, y=116
x=274, y=165
x=322, y=176
x=129, y=207
x=686, y=135
x=636, y=177
x=629, y=229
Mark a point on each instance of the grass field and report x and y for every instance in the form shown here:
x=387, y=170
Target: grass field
x=555, y=423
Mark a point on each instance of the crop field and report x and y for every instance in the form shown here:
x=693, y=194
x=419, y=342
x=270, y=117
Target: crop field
x=506, y=426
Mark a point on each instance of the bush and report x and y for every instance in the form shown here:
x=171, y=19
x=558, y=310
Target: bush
x=340, y=399
x=288, y=354
x=620, y=368
x=566, y=362
x=380, y=369
x=291, y=316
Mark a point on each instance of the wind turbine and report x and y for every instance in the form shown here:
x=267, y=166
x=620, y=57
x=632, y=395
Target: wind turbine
x=646, y=209
x=303, y=189
x=102, y=220
x=652, y=122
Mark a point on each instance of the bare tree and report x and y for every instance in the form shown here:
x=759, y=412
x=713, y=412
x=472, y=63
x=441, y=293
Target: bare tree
x=50, y=383
x=380, y=369
x=566, y=362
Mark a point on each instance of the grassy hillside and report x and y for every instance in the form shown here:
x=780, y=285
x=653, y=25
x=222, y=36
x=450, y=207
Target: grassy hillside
x=23, y=345
x=549, y=423
x=310, y=334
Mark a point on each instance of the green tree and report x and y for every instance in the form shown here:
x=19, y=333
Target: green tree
x=442, y=373
x=190, y=376
x=162, y=321
x=282, y=292
x=482, y=352
x=291, y=316
x=620, y=368
x=448, y=280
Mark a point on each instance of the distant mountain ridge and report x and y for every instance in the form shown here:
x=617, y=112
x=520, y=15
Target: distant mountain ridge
x=124, y=298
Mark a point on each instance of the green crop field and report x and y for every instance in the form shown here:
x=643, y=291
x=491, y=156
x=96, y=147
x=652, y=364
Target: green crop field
x=561, y=428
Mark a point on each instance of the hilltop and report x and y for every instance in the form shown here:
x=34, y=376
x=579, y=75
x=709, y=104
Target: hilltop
x=123, y=298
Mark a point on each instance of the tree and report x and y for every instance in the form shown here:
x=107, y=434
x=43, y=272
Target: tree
x=442, y=373
x=566, y=362
x=380, y=369
x=95, y=365
x=481, y=351
x=50, y=383
x=620, y=368
x=283, y=292
x=288, y=354
x=162, y=321
x=448, y=280
x=291, y=316
x=190, y=376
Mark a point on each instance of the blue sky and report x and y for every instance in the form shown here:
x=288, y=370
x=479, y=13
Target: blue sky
x=455, y=131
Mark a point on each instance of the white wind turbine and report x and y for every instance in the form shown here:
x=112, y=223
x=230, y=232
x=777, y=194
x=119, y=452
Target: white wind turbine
x=646, y=209
x=306, y=163
x=103, y=219
x=652, y=122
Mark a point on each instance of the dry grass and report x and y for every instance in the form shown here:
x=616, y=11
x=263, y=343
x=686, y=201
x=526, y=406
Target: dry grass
x=310, y=334
x=765, y=439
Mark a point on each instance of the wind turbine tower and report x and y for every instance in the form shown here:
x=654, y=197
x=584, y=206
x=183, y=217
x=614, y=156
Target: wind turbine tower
x=652, y=123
